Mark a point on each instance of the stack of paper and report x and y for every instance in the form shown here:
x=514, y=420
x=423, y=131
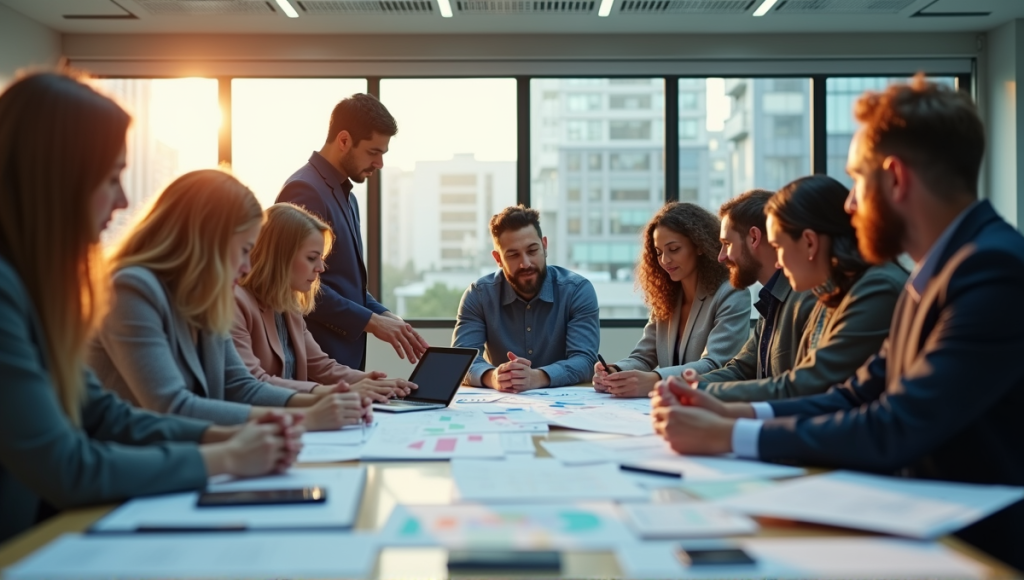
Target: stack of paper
x=157, y=556
x=400, y=441
x=907, y=507
x=540, y=480
x=332, y=446
x=572, y=525
x=685, y=520
x=654, y=455
x=804, y=558
x=178, y=511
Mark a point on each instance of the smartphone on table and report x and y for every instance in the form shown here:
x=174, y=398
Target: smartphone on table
x=298, y=495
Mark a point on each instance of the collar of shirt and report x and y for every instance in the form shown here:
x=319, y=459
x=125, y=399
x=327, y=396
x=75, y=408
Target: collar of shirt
x=346, y=185
x=765, y=296
x=547, y=292
x=925, y=269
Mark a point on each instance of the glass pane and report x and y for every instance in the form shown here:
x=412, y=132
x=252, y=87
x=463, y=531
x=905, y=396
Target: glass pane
x=597, y=177
x=175, y=124
x=758, y=136
x=450, y=168
x=266, y=149
x=840, y=95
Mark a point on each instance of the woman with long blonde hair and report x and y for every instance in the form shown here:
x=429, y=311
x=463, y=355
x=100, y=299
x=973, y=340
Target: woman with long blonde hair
x=64, y=441
x=698, y=320
x=270, y=302
x=166, y=344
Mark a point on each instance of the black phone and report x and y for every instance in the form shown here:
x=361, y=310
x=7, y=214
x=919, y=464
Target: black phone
x=503, y=560
x=714, y=557
x=311, y=494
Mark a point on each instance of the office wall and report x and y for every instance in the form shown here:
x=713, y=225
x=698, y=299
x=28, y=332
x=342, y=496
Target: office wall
x=1005, y=123
x=24, y=42
x=616, y=343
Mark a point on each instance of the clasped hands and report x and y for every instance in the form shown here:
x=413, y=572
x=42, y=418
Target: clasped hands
x=691, y=420
x=516, y=375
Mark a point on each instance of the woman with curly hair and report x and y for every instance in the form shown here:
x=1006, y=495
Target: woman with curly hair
x=698, y=320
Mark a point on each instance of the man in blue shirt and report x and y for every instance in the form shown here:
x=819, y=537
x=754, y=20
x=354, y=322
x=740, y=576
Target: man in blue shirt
x=537, y=325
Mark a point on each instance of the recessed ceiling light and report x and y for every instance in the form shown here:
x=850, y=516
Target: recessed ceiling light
x=288, y=10
x=764, y=7
x=606, y=8
x=446, y=8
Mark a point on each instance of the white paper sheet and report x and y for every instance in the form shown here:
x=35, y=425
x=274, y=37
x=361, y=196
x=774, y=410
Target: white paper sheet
x=329, y=453
x=253, y=555
x=572, y=525
x=178, y=510
x=456, y=422
x=685, y=520
x=892, y=505
x=518, y=443
x=399, y=440
x=583, y=409
x=806, y=558
x=654, y=454
x=352, y=435
x=540, y=480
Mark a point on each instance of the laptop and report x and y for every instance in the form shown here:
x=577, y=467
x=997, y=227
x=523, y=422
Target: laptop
x=438, y=376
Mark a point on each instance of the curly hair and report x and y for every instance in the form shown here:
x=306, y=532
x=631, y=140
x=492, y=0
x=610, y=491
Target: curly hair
x=702, y=228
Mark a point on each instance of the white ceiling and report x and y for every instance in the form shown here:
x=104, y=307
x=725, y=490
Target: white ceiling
x=102, y=17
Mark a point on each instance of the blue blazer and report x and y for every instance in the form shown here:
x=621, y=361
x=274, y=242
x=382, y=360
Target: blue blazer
x=944, y=397
x=343, y=307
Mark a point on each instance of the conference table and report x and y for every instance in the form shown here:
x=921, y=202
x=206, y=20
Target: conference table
x=429, y=483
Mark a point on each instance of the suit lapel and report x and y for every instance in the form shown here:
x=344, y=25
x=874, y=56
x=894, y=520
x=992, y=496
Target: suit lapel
x=344, y=206
x=270, y=330
x=298, y=342
x=189, y=351
x=673, y=330
x=695, y=309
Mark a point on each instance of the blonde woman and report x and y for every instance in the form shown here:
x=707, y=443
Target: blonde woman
x=270, y=302
x=64, y=441
x=166, y=344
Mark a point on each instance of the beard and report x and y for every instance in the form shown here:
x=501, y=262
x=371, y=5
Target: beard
x=880, y=230
x=528, y=288
x=743, y=272
x=352, y=170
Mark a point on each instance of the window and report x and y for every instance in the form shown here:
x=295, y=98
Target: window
x=630, y=130
x=786, y=126
x=688, y=101
x=620, y=147
x=840, y=95
x=577, y=102
x=628, y=221
x=449, y=169
x=629, y=161
x=572, y=161
x=583, y=130
x=629, y=102
x=689, y=159
x=174, y=130
x=782, y=170
x=688, y=129
x=267, y=149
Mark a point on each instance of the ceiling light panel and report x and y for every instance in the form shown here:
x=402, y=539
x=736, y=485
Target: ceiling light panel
x=843, y=6
x=686, y=6
x=206, y=7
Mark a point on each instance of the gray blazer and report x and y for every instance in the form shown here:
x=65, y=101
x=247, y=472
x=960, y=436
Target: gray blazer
x=144, y=353
x=715, y=331
x=850, y=333
x=118, y=452
x=783, y=344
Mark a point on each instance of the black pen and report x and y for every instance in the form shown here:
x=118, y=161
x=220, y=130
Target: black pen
x=648, y=471
x=604, y=364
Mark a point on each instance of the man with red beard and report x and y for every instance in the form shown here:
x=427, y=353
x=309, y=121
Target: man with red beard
x=771, y=349
x=535, y=325
x=943, y=398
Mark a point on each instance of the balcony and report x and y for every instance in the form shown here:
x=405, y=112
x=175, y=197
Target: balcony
x=736, y=87
x=737, y=126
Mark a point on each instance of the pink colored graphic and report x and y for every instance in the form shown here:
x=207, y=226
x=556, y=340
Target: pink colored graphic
x=498, y=418
x=416, y=445
x=476, y=438
x=445, y=444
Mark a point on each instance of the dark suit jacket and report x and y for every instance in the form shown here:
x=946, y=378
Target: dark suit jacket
x=944, y=398
x=343, y=307
x=118, y=452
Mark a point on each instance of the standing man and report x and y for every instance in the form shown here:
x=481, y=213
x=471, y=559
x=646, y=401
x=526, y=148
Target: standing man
x=943, y=398
x=771, y=349
x=536, y=325
x=358, y=137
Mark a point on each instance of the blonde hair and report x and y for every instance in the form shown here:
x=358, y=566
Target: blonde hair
x=286, y=227
x=59, y=140
x=185, y=239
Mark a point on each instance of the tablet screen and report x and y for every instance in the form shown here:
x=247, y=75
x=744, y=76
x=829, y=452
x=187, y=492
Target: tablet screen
x=439, y=374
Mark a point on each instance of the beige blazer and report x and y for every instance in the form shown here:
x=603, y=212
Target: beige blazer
x=256, y=340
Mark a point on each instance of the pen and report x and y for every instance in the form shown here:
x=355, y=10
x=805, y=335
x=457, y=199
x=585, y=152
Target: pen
x=191, y=529
x=604, y=365
x=649, y=471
